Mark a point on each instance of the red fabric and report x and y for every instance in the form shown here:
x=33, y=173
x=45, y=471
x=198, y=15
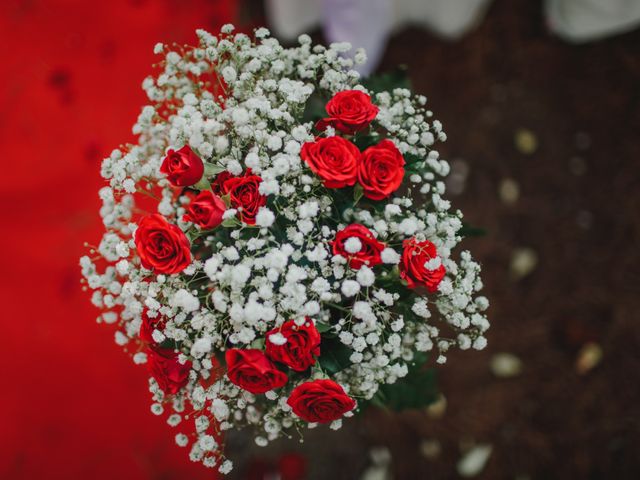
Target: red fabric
x=73, y=406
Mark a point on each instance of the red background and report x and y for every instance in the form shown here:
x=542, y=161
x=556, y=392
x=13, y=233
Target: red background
x=72, y=404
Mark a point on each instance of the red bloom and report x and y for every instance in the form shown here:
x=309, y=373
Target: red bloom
x=320, y=401
x=162, y=247
x=148, y=325
x=369, y=253
x=164, y=366
x=349, y=112
x=333, y=159
x=412, y=265
x=252, y=370
x=381, y=170
x=183, y=167
x=218, y=183
x=244, y=194
x=205, y=210
x=303, y=345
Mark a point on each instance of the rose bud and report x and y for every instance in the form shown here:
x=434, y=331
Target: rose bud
x=358, y=245
x=183, y=167
x=349, y=112
x=165, y=368
x=251, y=370
x=420, y=265
x=320, y=401
x=381, y=170
x=301, y=346
x=162, y=247
x=205, y=210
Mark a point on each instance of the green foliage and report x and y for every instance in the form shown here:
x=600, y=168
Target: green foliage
x=334, y=355
x=414, y=164
x=357, y=193
x=314, y=109
x=470, y=231
x=365, y=141
x=398, y=78
x=203, y=184
x=417, y=390
x=322, y=327
x=232, y=222
x=211, y=170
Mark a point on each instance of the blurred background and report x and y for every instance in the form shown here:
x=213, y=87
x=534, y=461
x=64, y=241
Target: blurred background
x=541, y=104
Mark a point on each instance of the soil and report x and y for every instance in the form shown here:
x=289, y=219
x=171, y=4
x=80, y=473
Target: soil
x=560, y=124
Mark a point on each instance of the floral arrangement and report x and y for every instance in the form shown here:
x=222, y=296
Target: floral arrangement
x=278, y=250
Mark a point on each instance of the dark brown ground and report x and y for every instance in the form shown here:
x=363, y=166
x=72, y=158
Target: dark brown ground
x=578, y=210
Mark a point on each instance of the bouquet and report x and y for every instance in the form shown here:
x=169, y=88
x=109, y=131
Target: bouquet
x=277, y=247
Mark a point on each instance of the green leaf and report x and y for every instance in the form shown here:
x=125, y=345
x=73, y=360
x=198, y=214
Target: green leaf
x=231, y=222
x=314, y=109
x=470, y=231
x=211, y=170
x=358, y=191
x=323, y=327
x=203, y=184
x=379, y=400
x=398, y=78
x=226, y=199
x=365, y=141
x=334, y=355
x=417, y=390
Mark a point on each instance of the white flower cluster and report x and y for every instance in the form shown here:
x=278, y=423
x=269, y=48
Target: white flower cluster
x=242, y=104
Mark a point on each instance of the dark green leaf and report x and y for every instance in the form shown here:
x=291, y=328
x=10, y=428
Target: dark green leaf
x=398, y=78
x=469, y=231
x=358, y=191
x=322, y=327
x=334, y=355
x=416, y=390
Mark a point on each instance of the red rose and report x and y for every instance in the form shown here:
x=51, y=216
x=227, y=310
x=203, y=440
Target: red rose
x=252, y=370
x=148, y=325
x=370, y=248
x=349, y=112
x=164, y=366
x=183, y=167
x=303, y=344
x=244, y=194
x=320, y=401
x=412, y=265
x=162, y=247
x=333, y=159
x=205, y=210
x=381, y=170
x=218, y=183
